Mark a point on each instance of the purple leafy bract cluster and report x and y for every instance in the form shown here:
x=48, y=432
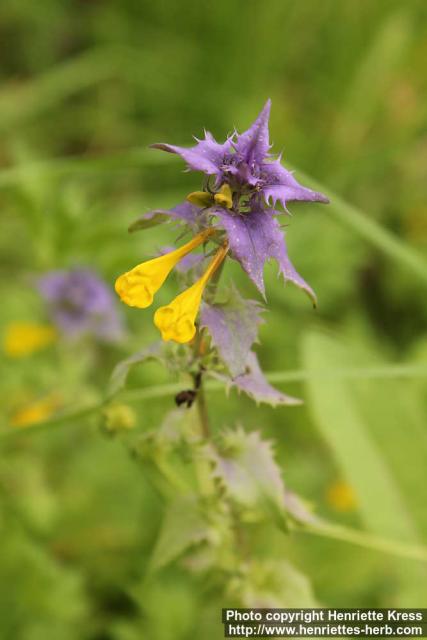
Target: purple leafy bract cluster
x=80, y=303
x=258, y=183
x=244, y=191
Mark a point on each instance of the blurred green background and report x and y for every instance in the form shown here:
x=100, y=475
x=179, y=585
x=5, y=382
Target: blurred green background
x=86, y=86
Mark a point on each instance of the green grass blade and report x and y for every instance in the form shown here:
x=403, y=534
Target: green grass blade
x=340, y=419
x=379, y=237
x=366, y=540
x=164, y=390
x=26, y=101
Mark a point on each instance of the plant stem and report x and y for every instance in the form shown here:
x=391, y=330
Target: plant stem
x=201, y=462
x=366, y=540
x=75, y=418
x=202, y=408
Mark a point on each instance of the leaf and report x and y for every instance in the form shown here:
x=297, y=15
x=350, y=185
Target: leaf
x=335, y=412
x=298, y=508
x=122, y=369
x=256, y=386
x=321, y=527
x=246, y=467
x=340, y=417
x=233, y=326
x=183, y=526
x=148, y=220
x=270, y=584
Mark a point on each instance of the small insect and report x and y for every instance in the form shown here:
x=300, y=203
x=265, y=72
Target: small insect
x=186, y=397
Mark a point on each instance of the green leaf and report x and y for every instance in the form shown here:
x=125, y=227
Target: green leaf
x=341, y=419
x=148, y=220
x=245, y=466
x=122, y=369
x=269, y=584
x=184, y=526
x=321, y=527
x=298, y=508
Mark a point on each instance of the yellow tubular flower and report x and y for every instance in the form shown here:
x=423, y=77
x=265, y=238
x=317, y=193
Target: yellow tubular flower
x=137, y=287
x=24, y=338
x=224, y=197
x=176, y=320
x=200, y=198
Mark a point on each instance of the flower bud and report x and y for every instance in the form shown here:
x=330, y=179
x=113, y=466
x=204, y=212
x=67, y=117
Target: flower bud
x=118, y=417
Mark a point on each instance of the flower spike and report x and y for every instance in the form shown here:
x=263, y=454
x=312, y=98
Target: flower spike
x=137, y=287
x=176, y=320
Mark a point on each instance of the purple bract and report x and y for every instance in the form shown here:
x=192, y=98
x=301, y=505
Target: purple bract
x=258, y=183
x=245, y=163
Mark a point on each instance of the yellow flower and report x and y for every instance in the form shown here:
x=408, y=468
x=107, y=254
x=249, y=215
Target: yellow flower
x=200, y=198
x=137, y=287
x=224, y=197
x=36, y=411
x=176, y=320
x=341, y=496
x=23, y=338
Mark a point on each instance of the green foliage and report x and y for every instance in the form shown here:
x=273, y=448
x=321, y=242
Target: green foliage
x=270, y=584
x=146, y=223
x=51, y=602
x=183, y=527
x=150, y=533
x=360, y=442
x=246, y=467
x=122, y=369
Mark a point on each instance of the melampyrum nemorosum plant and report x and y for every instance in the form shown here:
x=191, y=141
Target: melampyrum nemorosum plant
x=219, y=483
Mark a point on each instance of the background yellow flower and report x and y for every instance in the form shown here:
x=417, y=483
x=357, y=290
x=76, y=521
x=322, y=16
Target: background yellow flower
x=24, y=338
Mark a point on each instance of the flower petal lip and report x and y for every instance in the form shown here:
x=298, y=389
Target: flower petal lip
x=137, y=287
